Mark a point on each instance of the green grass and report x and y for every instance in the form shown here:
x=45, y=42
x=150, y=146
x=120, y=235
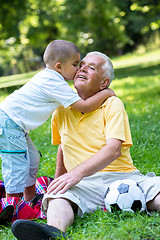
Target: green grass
x=137, y=83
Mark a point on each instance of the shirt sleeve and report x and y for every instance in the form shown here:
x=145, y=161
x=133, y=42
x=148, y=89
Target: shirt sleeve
x=60, y=92
x=117, y=123
x=65, y=95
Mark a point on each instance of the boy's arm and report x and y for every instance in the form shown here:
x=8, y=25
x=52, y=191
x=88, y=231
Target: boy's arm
x=60, y=168
x=92, y=103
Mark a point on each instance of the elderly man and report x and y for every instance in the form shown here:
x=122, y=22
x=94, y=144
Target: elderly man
x=94, y=151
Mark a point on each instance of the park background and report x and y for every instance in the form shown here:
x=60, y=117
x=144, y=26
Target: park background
x=111, y=26
x=128, y=32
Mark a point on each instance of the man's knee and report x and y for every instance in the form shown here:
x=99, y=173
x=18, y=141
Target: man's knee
x=60, y=213
x=60, y=205
x=154, y=204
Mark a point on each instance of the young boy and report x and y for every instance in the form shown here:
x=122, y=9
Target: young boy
x=29, y=107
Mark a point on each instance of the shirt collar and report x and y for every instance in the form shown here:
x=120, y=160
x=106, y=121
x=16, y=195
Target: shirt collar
x=102, y=105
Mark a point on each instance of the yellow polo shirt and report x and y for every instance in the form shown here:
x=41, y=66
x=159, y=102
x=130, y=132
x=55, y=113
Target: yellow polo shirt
x=83, y=135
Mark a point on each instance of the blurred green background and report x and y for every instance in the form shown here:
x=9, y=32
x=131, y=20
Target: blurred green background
x=110, y=26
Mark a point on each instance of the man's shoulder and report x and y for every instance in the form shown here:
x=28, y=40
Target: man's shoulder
x=61, y=110
x=113, y=102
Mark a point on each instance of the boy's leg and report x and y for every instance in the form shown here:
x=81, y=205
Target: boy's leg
x=33, y=155
x=29, y=193
x=13, y=150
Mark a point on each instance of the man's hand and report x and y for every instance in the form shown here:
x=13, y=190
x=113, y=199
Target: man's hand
x=64, y=182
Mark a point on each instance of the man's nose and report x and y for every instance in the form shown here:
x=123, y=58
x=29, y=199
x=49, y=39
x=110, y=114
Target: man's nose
x=84, y=68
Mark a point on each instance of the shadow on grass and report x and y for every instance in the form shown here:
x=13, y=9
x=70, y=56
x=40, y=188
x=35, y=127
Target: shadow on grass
x=138, y=71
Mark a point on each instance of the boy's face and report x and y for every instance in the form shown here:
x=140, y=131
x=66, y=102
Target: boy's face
x=70, y=67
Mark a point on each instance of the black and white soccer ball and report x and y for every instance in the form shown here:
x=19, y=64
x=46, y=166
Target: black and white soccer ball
x=125, y=195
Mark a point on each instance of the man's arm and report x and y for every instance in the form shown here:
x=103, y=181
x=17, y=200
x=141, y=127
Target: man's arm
x=104, y=157
x=60, y=168
x=92, y=103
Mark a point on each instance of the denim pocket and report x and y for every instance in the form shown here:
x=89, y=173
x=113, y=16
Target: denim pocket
x=15, y=152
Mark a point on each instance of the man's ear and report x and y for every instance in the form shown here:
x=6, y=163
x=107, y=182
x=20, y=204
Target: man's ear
x=58, y=66
x=105, y=83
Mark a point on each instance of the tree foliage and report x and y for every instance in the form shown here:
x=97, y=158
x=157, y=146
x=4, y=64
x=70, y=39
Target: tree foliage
x=109, y=26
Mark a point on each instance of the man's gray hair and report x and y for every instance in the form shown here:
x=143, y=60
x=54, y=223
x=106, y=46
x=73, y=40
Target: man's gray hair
x=107, y=66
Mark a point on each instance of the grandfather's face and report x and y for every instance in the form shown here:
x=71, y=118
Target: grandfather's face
x=89, y=77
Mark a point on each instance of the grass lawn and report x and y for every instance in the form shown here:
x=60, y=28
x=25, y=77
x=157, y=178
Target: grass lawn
x=137, y=83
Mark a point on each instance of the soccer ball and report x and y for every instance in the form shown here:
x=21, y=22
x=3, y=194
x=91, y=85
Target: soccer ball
x=125, y=195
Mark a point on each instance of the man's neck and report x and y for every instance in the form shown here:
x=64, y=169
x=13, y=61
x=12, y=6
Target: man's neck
x=85, y=94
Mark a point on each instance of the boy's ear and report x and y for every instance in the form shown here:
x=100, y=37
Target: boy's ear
x=104, y=83
x=58, y=67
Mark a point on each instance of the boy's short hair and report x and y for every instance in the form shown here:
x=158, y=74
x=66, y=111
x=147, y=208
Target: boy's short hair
x=59, y=50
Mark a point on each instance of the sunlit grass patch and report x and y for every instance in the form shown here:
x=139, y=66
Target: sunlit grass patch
x=15, y=80
x=133, y=59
